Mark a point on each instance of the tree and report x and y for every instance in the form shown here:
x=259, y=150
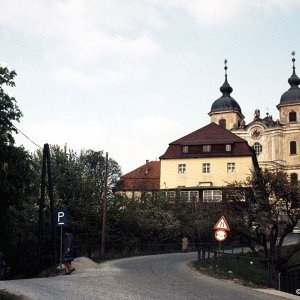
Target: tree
x=9, y=110
x=268, y=215
x=78, y=182
x=18, y=189
x=18, y=209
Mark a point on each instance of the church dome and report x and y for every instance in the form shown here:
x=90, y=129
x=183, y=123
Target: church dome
x=292, y=95
x=225, y=102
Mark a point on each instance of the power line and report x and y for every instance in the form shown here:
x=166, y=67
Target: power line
x=27, y=137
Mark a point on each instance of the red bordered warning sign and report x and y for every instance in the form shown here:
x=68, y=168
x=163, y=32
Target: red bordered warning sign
x=222, y=224
x=220, y=235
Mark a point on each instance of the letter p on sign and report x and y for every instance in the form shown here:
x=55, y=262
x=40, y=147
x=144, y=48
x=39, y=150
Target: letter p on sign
x=60, y=218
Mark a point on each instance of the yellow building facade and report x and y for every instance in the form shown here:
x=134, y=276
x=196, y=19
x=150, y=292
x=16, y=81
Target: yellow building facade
x=199, y=165
x=204, y=172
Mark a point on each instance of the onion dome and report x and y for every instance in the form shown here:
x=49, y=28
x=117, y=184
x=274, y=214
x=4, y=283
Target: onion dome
x=292, y=95
x=225, y=102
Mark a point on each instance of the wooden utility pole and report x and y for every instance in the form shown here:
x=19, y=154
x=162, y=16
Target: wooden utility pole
x=46, y=165
x=104, y=206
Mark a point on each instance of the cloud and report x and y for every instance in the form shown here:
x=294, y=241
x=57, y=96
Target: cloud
x=85, y=30
x=100, y=77
x=149, y=126
x=143, y=138
x=212, y=13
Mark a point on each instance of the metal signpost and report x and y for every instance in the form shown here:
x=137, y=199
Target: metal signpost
x=62, y=220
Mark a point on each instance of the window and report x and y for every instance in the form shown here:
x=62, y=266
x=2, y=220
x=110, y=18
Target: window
x=206, y=168
x=293, y=147
x=222, y=123
x=292, y=116
x=185, y=149
x=206, y=148
x=212, y=196
x=181, y=168
x=170, y=195
x=257, y=148
x=294, y=178
x=230, y=167
x=228, y=148
x=189, y=195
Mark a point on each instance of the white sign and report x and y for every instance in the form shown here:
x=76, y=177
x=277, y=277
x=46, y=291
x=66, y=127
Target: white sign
x=222, y=224
x=220, y=235
x=60, y=217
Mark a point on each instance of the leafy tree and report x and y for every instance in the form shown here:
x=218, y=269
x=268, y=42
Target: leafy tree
x=18, y=210
x=268, y=215
x=9, y=110
x=137, y=223
x=18, y=189
x=78, y=181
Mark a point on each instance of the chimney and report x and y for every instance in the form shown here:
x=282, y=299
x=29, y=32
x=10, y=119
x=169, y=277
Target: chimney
x=147, y=169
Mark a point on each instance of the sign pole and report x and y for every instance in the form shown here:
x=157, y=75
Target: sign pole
x=62, y=220
x=60, y=260
x=220, y=243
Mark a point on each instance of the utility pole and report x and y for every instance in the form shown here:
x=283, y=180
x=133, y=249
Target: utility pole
x=46, y=166
x=104, y=207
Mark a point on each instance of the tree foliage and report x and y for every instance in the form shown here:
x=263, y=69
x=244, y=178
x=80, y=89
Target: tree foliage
x=9, y=110
x=78, y=181
x=268, y=215
x=18, y=210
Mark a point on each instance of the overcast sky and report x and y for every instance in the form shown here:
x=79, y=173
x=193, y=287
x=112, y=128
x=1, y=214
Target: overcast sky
x=129, y=77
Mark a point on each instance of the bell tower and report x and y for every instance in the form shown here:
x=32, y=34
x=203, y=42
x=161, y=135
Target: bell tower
x=225, y=111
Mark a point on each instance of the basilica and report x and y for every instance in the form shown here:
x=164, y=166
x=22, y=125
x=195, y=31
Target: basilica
x=200, y=164
x=276, y=142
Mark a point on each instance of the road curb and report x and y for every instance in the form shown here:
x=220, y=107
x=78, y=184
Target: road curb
x=278, y=293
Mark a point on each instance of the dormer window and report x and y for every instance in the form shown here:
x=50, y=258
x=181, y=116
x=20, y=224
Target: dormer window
x=185, y=149
x=228, y=148
x=206, y=148
x=292, y=116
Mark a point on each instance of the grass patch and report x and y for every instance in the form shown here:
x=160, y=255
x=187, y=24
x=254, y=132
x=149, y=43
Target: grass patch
x=4, y=295
x=242, y=268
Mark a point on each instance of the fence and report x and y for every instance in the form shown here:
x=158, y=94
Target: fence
x=238, y=265
x=93, y=251
x=289, y=281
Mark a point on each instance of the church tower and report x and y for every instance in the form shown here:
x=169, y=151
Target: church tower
x=225, y=111
x=289, y=106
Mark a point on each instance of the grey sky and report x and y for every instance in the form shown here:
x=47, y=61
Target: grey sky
x=128, y=77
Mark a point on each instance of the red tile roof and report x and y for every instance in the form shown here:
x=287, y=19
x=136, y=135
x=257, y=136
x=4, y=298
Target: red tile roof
x=144, y=178
x=211, y=134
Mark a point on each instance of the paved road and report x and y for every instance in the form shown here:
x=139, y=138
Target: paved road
x=165, y=277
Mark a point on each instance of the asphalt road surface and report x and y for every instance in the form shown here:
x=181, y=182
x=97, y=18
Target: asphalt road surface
x=165, y=277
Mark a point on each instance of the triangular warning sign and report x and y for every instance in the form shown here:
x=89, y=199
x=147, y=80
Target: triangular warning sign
x=222, y=224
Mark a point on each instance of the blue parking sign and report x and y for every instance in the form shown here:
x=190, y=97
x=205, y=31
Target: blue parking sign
x=62, y=218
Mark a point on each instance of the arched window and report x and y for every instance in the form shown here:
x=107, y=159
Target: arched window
x=293, y=147
x=294, y=178
x=292, y=116
x=222, y=123
x=257, y=148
